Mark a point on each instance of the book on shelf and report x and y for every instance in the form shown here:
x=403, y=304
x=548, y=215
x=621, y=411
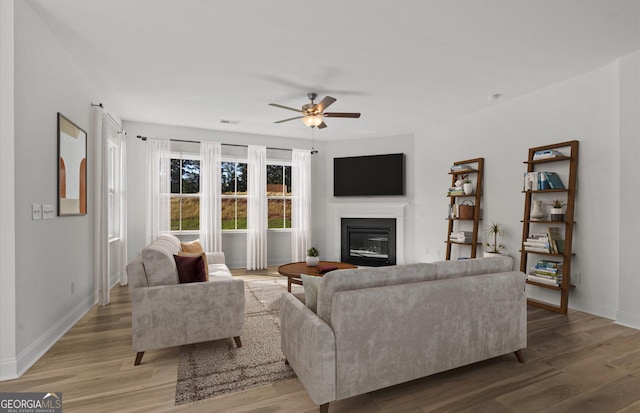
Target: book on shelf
x=554, y=236
x=537, y=249
x=461, y=236
x=554, y=181
x=460, y=167
x=543, y=274
x=537, y=181
x=546, y=154
x=543, y=280
x=544, y=245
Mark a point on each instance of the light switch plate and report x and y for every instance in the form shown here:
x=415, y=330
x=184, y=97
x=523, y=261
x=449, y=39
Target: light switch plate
x=36, y=212
x=48, y=211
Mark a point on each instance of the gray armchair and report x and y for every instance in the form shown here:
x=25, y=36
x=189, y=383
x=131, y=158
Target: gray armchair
x=166, y=313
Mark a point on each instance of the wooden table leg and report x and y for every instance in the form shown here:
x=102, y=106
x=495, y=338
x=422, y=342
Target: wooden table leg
x=288, y=284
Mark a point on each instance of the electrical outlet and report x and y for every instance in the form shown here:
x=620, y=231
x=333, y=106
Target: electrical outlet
x=577, y=277
x=36, y=212
x=73, y=287
x=48, y=211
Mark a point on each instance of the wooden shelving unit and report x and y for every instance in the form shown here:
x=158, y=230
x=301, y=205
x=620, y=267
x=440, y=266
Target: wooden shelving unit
x=477, y=170
x=570, y=158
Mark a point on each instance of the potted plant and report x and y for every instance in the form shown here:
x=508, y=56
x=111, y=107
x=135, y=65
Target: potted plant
x=556, y=209
x=494, y=230
x=313, y=257
x=467, y=186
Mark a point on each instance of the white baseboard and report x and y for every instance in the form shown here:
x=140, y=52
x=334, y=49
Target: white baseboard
x=27, y=358
x=628, y=319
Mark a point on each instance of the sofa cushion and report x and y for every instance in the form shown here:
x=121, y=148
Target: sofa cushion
x=158, y=262
x=196, y=254
x=473, y=266
x=190, y=269
x=311, y=284
x=219, y=271
x=342, y=280
x=193, y=246
x=172, y=239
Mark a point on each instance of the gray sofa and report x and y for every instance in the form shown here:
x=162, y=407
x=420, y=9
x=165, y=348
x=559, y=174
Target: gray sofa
x=377, y=327
x=166, y=313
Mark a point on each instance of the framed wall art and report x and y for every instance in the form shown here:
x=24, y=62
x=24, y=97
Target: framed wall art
x=72, y=168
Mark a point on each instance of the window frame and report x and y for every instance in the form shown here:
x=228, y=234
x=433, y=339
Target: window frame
x=289, y=198
x=184, y=155
x=236, y=160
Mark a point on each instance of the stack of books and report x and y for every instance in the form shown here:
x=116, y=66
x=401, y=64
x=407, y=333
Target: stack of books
x=537, y=243
x=546, y=154
x=461, y=167
x=546, y=272
x=455, y=190
x=461, y=236
x=536, y=181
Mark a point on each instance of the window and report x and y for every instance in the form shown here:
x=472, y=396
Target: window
x=234, y=195
x=185, y=193
x=279, y=195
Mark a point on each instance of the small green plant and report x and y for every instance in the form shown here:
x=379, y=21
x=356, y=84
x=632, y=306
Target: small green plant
x=495, y=230
x=558, y=203
x=312, y=252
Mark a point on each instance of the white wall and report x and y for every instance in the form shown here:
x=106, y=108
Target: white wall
x=324, y=201
x=8, y=365
x=49, y=254
x=233, y=244
x=583, y=108
x=629, y=309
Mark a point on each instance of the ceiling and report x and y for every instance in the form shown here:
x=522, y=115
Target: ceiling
x=404, y=64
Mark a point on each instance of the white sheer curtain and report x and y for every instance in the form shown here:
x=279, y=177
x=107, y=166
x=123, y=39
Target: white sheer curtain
x=257, y=208
x=301, y=204
x=101, y=199
x=124, y=279
x=158, y=188
x=210, y=187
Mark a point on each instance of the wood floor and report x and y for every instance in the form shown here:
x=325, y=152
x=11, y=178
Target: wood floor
x=574, y=363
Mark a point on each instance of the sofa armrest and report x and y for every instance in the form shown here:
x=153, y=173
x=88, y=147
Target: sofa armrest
x=309, y=345
x=171, y=315
x=215, y=257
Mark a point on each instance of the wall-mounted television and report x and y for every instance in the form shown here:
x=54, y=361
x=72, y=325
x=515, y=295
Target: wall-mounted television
x=374, y=175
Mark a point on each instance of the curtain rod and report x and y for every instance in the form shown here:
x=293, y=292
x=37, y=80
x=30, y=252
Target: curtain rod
x=144, y=138
x=113, y=121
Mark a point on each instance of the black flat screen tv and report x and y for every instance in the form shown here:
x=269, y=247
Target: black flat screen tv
x=375, y=175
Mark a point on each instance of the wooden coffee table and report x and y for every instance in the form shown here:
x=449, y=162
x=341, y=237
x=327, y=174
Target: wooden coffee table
x=293, y=270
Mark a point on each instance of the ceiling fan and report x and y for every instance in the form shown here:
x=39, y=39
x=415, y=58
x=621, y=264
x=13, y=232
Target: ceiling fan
x=313, y=113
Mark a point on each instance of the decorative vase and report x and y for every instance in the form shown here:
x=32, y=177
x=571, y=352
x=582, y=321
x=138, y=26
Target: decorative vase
x=467, y=187
x=537, y=212
x=312, y=261
x=557, y=214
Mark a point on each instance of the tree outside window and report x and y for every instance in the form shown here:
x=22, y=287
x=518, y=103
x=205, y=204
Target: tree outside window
x=185, y=194
x=234, y=195
x=279, y=196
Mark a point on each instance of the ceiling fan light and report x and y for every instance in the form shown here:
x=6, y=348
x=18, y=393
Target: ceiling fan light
x=312, y=120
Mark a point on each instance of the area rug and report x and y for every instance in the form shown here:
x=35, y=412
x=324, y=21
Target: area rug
x=215, y=368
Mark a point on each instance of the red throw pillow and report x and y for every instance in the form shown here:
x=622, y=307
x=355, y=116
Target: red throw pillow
x=190, y=269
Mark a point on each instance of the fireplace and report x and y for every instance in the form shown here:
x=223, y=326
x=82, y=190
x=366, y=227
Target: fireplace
x=368, y=241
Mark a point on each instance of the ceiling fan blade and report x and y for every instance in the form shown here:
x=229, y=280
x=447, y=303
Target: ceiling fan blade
x=287, y=120
x=341, y=115
x=285, y=107
x=324, y=103
x=322, y=125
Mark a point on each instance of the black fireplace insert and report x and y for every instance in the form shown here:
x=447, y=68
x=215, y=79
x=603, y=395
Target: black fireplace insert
x=368, y=241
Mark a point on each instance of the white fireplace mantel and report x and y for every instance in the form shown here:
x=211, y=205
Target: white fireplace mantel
x=370, y=210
